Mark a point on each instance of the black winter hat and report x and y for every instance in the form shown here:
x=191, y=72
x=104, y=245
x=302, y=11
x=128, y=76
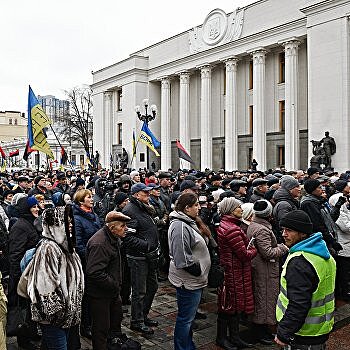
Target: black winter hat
x=297, y=220
x=340, y=185
x=310, y=185
x=120, y=197
x=311, y=171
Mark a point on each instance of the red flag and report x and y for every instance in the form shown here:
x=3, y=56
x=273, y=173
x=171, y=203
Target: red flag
x=3, y=155
x=27, y=151
x=14, y=153
x=183, y=153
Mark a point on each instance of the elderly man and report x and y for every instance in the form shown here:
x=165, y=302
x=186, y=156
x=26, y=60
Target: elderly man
x=305, y=306
x=142, y=251
x=103, y=280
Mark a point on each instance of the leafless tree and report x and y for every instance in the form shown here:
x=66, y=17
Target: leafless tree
x=79, y=121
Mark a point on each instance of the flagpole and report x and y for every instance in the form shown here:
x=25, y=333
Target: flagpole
x=69, y=162
x=134, y=155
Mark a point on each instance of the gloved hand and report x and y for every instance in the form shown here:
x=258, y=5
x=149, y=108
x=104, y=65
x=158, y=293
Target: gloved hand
x=337, y=246
x=340, y=201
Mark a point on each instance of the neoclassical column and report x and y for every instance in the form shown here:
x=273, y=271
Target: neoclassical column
x=165, y=156
x=231, y=134
x=205, y=127
x=184, y=115
x=259, y=117
x=107, y=128
x=291, y=134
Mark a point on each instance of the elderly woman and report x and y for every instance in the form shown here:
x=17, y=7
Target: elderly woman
x=235, y=297
x=189, y=266
x=265, y=271
x=87, y=224
x=54, y=280
x=247, y=216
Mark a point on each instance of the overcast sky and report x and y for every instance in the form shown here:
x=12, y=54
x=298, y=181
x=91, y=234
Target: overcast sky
x=54, y=45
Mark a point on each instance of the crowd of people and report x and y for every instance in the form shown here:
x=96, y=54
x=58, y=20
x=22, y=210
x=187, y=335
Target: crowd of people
x=78, y=246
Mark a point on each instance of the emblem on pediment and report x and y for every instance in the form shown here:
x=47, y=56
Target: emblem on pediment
x=218, y=28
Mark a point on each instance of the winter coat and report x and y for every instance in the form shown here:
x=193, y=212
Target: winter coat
x=145, y=239
x=256, y=196
x=265, y=270
x=236, y=295
x=103, y=265
x=23, y=236
x=320, y=217
x=86, y=225
x=343, y=224
x=54, y=280
x=284, y=203
x=187, y=246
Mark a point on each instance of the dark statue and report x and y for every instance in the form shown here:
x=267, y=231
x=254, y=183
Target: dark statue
x=323, y=151
x=124, y=159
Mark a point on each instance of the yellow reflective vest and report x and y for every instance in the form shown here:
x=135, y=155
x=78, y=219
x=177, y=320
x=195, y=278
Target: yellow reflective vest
x=320, y=318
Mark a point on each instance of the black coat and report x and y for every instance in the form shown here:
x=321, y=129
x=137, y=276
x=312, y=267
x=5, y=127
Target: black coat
x=305, y=279
x=145, y=239
x=23, y=236
x=103, y=265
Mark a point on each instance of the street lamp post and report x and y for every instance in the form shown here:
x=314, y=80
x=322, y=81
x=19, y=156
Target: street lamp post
x=146, y=117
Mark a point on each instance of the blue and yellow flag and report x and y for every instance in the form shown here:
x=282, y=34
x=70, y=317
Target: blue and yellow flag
x=37, y=121
x=149, y=139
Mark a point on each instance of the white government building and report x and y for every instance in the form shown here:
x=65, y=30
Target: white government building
x=260, y=82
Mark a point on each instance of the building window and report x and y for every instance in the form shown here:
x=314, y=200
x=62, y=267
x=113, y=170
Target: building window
x=119, y=100
x=73, y=159
x=251, y=75
x=36, y=159
x=282, y=119
x=16, y=122
x=10, y=121
x=280, y=155
x=142, y=157
x=251, y=113
x=282, y=67
x=120, y=133
x=81, y=159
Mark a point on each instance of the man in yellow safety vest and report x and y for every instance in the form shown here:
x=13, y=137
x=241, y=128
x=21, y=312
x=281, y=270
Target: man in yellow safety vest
x=305, y=306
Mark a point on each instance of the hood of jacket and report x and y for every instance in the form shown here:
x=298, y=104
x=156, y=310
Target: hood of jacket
x=314, y=244
x=312, y=198
x=24, y=210
x=178, y=215
x=283, y=195
x=88, y=215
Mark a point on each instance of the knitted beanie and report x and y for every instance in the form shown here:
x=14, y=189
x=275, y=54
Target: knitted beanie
x=120, y=197
x=262, y=208
x=228, y=205
x=247, y=212
x=297, y=220
x=32, y=201
x=288, y=182
x=310, y=185
x=340, y=185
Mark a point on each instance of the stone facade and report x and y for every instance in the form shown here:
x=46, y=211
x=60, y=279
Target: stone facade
x=260, y=82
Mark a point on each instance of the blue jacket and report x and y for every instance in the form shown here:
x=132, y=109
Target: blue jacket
x=86, y=224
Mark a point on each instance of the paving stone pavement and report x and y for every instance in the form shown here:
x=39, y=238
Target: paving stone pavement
x=164, y=311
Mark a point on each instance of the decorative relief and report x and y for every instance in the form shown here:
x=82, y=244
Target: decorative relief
x=231, y=64
x=205, y=72
x=218, y=28
x=259, y=56
x=165, y=83
x=184, y=77
x=291, y=47
x=108, y=95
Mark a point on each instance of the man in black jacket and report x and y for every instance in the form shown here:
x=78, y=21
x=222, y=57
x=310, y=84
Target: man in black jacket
x=322, y=218
x=103, y=280
x=305, y=306
x=142, y=249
